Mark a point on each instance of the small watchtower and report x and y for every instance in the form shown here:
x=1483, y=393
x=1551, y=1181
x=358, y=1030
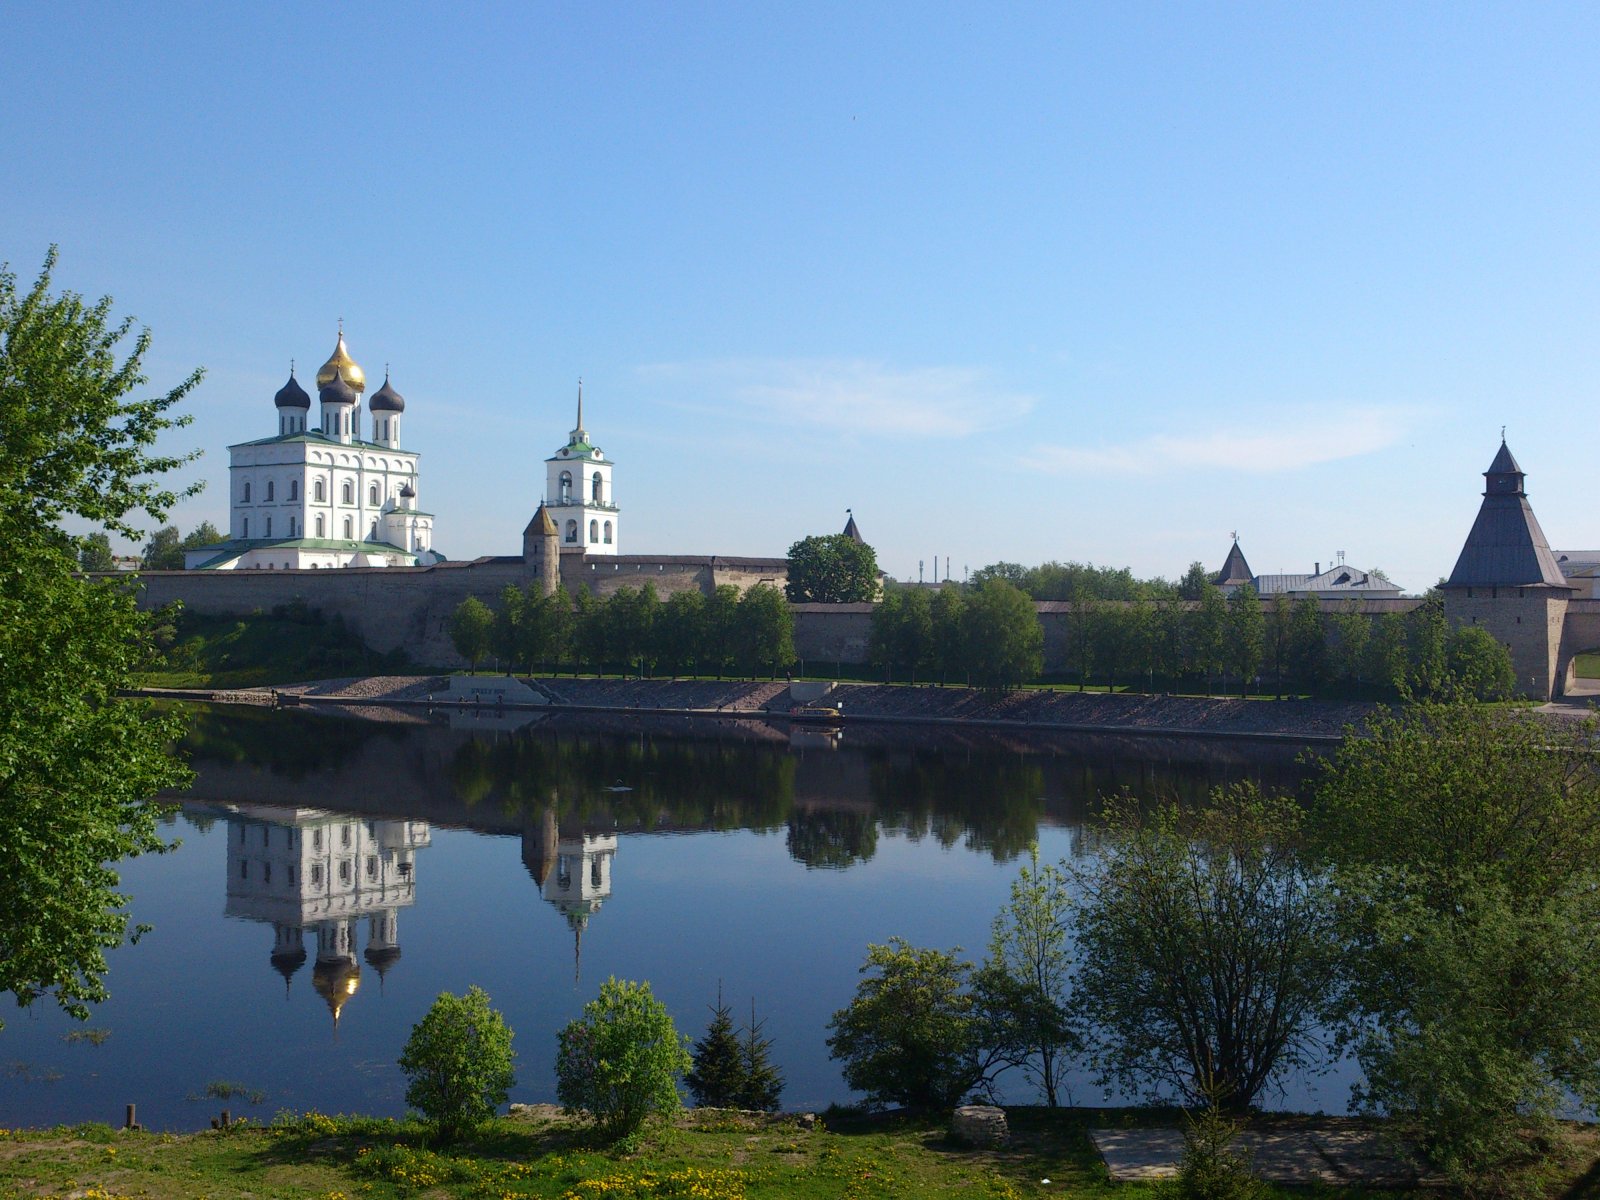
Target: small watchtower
x=1507, y=581
x=541, y=551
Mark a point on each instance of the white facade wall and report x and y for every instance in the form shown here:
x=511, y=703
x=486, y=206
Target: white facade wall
x=575, y=508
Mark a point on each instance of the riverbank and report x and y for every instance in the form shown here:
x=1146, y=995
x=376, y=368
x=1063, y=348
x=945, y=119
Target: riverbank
x=718, y=1154
x=1062, y=711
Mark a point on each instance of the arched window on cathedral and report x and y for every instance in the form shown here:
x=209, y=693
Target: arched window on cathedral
x=572, y=532
x=566, y=486
x=294, y=489
x=594, y=531
x=348, y=492
x=321, y=529
x=349, y=529
x=322, y=492
x=372, y=495
x=269, y=489
x=269, y=526
x=247, y=491
x=293, y=531
x=372, y=534
x=594, y=488
x=244, y=528
x=608, y=533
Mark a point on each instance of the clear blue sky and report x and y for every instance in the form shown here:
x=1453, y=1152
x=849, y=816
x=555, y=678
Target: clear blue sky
x=1077, y=281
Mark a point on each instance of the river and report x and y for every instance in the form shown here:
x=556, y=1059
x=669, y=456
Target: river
x=335, y=874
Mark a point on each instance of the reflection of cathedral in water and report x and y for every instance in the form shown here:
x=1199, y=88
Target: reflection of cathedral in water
x=308, y=870
x=573, y=871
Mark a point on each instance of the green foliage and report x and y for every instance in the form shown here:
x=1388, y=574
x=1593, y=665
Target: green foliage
x=764, y=631
x=832, y=569
x=472, y=630
x=459, y=1063
x=1212, y=1168
x=1246, y=630
x=1464, y=841
x=730, y=1071
x=72, y=442
x=902, y=633
x=1003, y=637
x=78, y=766
x=1023, y=984
x=912, y=1034
x=1073, y=581
x=717, y=1075
x=164, y=550
x=620, y=1061
x=287, y=645
x=1208, y=952
x=1479, y=667
x=94, y=553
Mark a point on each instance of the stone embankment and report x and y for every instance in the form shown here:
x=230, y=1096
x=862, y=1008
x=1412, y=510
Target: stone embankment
x=863, y=704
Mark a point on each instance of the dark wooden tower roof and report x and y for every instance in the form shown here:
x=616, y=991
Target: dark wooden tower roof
x=1235, y=571
x=1506, y=547
x=850, y=530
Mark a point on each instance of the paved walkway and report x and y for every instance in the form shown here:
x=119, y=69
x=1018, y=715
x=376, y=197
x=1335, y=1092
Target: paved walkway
x=1335, y=1153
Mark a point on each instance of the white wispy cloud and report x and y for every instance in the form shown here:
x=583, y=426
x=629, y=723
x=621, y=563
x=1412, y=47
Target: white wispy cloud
x=1284, y=442
x=846, y=395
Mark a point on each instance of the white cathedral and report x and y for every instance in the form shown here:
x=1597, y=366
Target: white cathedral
x=322, y=496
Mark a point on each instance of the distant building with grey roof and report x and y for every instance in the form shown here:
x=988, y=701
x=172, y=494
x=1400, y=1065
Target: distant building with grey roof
x=1337, y=581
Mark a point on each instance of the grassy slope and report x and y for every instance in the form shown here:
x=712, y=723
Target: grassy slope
x=716, y=1156
x=285, y=646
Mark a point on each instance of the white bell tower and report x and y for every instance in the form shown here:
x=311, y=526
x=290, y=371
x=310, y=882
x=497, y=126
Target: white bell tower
x=578, y=493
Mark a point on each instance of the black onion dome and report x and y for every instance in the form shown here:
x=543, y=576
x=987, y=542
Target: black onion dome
x=292, y=395
x=386, y=399
x=407, y=491
x=337, y=391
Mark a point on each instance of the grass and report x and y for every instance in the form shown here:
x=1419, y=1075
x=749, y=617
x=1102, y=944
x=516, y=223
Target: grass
x=288, y=645
x=1588, y=665
x=707, y=1154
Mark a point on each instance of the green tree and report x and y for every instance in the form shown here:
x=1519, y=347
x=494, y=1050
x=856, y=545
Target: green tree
x=546, y=627
x=911, y=1035
x=762, y=1088
x=681, y=631
x=716, y=1078
x=1354, y=630
x=507, y=632
x=1194, y=583
x=631, y=615
x=164, y=550
x=764, y=634
x=946, y=612
x=471, y=629
x=590, y=635
x=78, y=766
x=1308, y=644
x=1385, y=661
x=1277, y=640
x=831, y=569
x=620, y=1061
x=203, y=534
x=1208, y=631
x=1464, y=841
x=1023, y=984
x=459, y=1063
x=1480, y=667
x=94, y=554
x=1245, y=634
x=722, y=627
x=1427, y=648
x=1208, y=954
x=1004, y=641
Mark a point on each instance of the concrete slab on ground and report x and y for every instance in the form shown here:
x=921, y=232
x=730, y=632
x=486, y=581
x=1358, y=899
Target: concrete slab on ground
x=1343, y=1153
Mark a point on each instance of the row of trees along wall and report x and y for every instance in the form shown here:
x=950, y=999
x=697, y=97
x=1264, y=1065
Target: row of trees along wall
x=1380, y=648
x=632, y=630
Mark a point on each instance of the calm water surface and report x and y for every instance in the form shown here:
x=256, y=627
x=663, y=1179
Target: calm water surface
x=335, y=875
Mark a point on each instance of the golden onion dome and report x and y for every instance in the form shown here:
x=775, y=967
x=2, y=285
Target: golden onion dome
x=336, y=982
x=341, y=365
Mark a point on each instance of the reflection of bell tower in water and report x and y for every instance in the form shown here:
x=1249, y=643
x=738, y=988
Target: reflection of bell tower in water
x=573, y=872
x=309, y=870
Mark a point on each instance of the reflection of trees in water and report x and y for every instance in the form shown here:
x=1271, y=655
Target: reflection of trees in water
x=293, y=744
x=992, y=803
x=672, y=783
x=832, y=838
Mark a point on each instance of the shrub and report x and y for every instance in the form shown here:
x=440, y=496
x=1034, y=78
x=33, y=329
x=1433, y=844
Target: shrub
x=459, y=1062
x=1211, y=1167
x=911, y=1034
x=620, y=1061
